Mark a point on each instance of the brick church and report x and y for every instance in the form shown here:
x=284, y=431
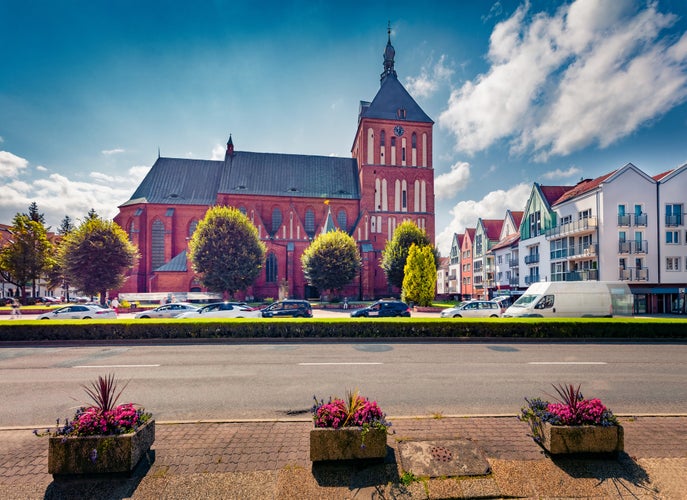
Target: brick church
x=291, y=199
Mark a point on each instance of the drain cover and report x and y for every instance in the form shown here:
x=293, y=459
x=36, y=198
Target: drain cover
x=460, y=457
x=441, y=453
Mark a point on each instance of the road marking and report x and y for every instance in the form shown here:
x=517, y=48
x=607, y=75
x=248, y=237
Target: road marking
x=567, y=363
x=325, y=364
x=115, y=366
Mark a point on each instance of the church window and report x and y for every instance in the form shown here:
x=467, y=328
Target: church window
x=403, y=155
x=243, y=211
x=157, y=253
x=404, y=196
x=276, y=219
x=413, y=140
x=373, y=224
x=132, y=229
x=341, y=219
x=192, y=227
x=310, y=221
x=382, y=138
x=271, y=268
x=378, y=195
x=393, y=142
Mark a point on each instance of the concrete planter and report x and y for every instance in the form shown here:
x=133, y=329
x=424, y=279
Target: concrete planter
x=347, y=444
x=568, y=439
x=119, y=453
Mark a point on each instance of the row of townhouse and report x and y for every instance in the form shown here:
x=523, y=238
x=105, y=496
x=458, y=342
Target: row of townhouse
x=623, y=226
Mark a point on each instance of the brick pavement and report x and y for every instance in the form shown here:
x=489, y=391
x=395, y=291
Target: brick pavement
x=271, y=460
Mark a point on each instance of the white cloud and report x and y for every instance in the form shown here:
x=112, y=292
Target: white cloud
x=112, y=151
x=592, y=73
x=430, y=78
x=58, y=195
x=447, y=185
x=41, y=168
x=561, y=174
x=492, y=206
x=218, y=152
x=11, y=165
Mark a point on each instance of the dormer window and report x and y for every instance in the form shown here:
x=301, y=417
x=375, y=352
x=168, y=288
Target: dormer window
x=401, y=113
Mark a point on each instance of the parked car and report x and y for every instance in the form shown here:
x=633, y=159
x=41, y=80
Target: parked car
x=167, y=311
x=474, y=309
x=222, y=310
x=80, y=311
x=382, y=309
x=288, y=308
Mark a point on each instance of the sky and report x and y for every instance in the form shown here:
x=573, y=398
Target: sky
x=520, y=92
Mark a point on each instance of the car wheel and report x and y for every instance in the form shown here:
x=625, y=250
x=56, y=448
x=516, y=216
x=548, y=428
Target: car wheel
x=494, y=316
x=457, y=316
x=44, y=318
x=86, y=317
x=145, y=317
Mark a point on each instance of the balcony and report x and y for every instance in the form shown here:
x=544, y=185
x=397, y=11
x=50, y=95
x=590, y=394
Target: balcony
x=534, y=278
x=673, y=220
x=624, y=220
x=561, y=253
x=513, y=263
x=583, y=275
x=532, y=258
x=632, y=220
x=582, y=251
x=576, y=227
x=514, y=281
x=640, y=220
x=633, y=246
x=633, y=274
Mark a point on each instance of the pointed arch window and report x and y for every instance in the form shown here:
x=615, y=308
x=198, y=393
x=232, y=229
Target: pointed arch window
x=310, y=221
x=382, y=138
x=341, y=220
x=132, y=230
x=192, y=227
x=271, y=268
x=157, y=253
x=276, y=219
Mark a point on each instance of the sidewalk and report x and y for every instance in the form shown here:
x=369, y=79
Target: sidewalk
x=270, y=460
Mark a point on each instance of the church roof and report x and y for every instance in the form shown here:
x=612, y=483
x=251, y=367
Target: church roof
x=177, y=264
x=391, y=97
x=291, y=175
x=183, y=181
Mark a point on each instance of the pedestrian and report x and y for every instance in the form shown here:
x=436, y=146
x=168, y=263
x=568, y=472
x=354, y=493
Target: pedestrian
x=115, y=304
x=345, y=303
x=16, y=309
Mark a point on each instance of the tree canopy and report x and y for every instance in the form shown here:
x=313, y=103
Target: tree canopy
x=226, y=251
x=396, y=250
x=420, y=275
x=96, y=255
x=28, y=252
x=331, y=261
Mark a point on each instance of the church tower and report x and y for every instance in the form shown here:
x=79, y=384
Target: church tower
x=393, y=148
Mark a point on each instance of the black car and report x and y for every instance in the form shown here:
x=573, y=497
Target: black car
x=288, y=308
x=383, y=309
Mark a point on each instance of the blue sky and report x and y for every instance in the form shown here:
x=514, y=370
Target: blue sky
x=520, y=91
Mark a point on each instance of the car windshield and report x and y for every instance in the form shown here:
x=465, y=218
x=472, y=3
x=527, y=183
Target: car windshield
x=524, y=301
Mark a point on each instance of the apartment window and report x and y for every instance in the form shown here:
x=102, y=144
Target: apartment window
x=673, y=264
x=673, y=237
x=566, y=220
x=586, y=214
x=535, y=223
x=621, y=210
x=499, y=259
x=674, y=214
x=478, y=244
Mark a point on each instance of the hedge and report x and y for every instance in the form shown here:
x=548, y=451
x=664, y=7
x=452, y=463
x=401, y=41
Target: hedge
x=359, y=328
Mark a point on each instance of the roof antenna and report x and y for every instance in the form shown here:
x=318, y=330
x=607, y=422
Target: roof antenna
x=158, y=152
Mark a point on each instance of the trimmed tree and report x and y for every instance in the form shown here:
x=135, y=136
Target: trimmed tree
x=95, y=256
x=420, y=275
x=226, y=251
x=396, y=251
x=331, y=261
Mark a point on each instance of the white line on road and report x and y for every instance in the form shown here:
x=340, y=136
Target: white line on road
x=567, y=363
x=353, y=363
x=115, y=366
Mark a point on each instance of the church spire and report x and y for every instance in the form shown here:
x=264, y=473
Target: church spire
x=230, y=148
x=389, y=54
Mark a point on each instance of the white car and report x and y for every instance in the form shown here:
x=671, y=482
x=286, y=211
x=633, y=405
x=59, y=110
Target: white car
x=80, y=311
x=223, y=310
x=167, y=311
x=474, y=309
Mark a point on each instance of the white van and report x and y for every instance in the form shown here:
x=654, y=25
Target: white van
x=570, y=299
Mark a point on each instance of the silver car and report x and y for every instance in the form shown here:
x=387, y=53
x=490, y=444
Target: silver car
x=223, y=310
x=80, y=311
x=474, y=309
x=167, y=310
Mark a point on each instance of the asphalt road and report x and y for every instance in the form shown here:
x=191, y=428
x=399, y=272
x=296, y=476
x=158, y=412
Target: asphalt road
x=238, y=381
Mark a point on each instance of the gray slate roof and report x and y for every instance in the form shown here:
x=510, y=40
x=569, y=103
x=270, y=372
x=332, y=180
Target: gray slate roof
x=177, y=264
x=392, y=96
x=183, y=181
